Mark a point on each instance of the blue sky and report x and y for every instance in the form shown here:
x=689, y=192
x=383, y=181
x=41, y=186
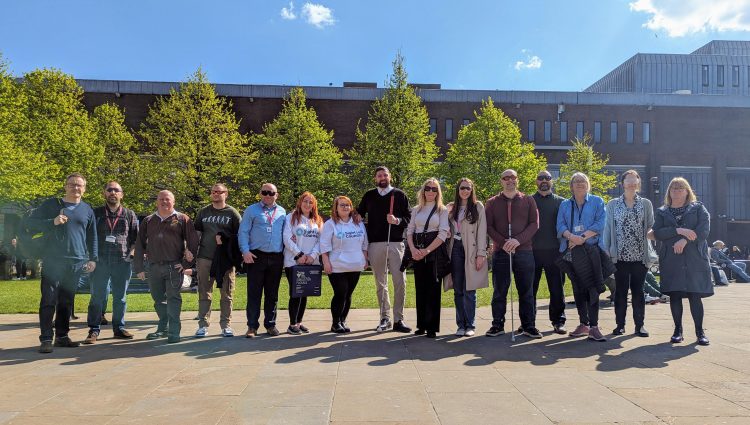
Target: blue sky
x=522, y=45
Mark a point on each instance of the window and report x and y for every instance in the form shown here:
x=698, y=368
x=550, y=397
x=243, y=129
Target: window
x=531, y=136
x=629, y=127
x=448, y=129
x=547, y=131
x=466, y=122
x=597, y=131
x=563, y=131
x=646, y=133
x=704, y=75
x=613, y=132
x=433, y=126
x=736, y=76
x=720, y=75
x=579, y=130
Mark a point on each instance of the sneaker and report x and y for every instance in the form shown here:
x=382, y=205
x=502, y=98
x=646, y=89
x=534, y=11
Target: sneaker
x=201, y=332
x=664, y=299
x=401, y=327
x=596, y=335
x=123, y=334
x=641, y=331
x=495, y=331
x=93, y=335
x=469, y=332
x=461, y=332
x=559, y=329
x=384, y=325
x=619, y=330
x=294, y=330
x=227, y=332
x=337, y=328
x=703, y=339
x=532, y=333
x=272, y=331
x=580, y=330
x=45, y=347
x=251, y=333
x=346, y=328
x=66, y=342
x=304, y=329
x=156, y=335
x=652, y=300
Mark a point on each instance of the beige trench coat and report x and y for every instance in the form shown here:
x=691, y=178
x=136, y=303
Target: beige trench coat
x=474, y=239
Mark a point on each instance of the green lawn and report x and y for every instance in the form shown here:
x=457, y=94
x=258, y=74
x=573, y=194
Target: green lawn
x=23, y=296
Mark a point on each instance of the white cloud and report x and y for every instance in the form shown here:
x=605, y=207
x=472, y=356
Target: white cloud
x=288, y=12
x=318, y=15
x=683, y=17
x=532, y=61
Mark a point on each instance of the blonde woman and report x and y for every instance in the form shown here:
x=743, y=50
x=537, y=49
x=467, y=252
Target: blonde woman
x=427, y=230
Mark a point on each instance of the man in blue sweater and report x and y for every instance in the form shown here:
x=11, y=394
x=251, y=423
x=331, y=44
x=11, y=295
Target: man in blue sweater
x=69, y=230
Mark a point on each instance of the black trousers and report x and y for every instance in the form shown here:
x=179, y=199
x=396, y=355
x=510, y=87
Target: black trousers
x=427, y=288
x=587, y=303
x=263, y=277
x=544, y=260
x=630, y=274
x=296, y=305
x=58, y=287
x=343, y=287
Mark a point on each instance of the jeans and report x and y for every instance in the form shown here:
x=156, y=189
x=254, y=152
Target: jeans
x=114, y=275
x=58, y=286
x=544, y=261
x=587, y=303
x=165, y=282
x=466, y=301
x=263, y=277
x=630, y=274
x=523, y=271
x=739, y=270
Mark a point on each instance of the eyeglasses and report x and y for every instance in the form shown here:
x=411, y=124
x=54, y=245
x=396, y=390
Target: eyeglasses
x=509, y=178
x=113, y=190
x=465, y=188
x=431, y=189
x=267, y=192
x=544, y=178
x=222, y=191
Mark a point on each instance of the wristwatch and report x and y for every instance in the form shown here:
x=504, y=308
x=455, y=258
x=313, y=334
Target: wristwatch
x=298, y=256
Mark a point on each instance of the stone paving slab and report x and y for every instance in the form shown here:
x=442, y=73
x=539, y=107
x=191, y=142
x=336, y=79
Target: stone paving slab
x=368, y=378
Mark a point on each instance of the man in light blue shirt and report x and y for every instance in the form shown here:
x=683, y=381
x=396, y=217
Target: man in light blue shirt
x=262, y=247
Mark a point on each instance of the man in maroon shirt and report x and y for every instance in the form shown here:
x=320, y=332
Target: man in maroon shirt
x=516, y=241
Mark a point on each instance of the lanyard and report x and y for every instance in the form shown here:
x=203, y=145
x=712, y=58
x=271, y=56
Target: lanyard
x=113, y=224
x=270, y=217
x=580, y=211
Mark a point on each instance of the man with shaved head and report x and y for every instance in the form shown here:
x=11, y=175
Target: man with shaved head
x=165, y=237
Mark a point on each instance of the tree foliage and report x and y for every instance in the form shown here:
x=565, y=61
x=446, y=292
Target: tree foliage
x=582, y=158
x=297, y=154
x=397, y=135
x=194, y=138
x=487, y=147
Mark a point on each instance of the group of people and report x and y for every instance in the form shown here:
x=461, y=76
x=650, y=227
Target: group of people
x=447, y=245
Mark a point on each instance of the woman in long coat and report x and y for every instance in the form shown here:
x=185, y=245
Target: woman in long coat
x=468, y=251
x=681, y=227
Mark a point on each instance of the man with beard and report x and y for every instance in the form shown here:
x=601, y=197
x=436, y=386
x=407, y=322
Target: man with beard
x=117, y=230
x=545, y=247
x=384, y=207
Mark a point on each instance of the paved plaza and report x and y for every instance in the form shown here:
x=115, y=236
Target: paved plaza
x=389, y=378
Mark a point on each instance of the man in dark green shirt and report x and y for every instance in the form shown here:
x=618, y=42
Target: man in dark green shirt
x=546, y=249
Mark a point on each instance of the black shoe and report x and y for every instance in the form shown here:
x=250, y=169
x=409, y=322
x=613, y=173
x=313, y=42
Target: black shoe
x=401, y=327
x=294, y=330
x=703, y=339
x=495, y=331
x=559, y=329
x=173, y=339
x=346, y=328
x=384, y=325
x=619, y=330
x=532, y=333
x=304, y=329
x=156, y=335
x=337, y=328
x=104, y=320
x=419, y=332
x=677, y=337
x=66, y=342
x=641, y=332
x=431, y=334
x=45, y=347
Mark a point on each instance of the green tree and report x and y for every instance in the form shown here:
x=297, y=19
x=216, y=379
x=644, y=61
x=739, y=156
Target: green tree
x=397, y=135
x=487, y=147
x=195, y=139
x=298, y=154
x=582, y=158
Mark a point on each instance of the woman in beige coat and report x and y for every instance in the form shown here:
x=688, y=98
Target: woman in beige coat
x=468, y=251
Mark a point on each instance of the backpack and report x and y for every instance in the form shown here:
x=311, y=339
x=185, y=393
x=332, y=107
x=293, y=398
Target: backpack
x=32, y=244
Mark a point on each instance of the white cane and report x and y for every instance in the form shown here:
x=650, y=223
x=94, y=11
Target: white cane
x=387, y=253
x=510, y=272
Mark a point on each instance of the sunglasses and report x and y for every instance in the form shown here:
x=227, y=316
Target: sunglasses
x=509, y=178
x=113, y=190
x=544, y=178
x=465, y=188
x=431, y=189
x=267, y=192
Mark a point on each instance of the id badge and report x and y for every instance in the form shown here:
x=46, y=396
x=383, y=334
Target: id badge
x=457, y=236
x=578, y=229
x=110, y=239
x=269, y=229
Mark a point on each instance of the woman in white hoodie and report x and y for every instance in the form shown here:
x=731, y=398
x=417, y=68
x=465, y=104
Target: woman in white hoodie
x=301, y=246
x=343, y=246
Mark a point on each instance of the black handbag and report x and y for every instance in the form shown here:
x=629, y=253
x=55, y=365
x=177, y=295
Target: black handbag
x=306, y=280
x=564, y=258
x=439, y=257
